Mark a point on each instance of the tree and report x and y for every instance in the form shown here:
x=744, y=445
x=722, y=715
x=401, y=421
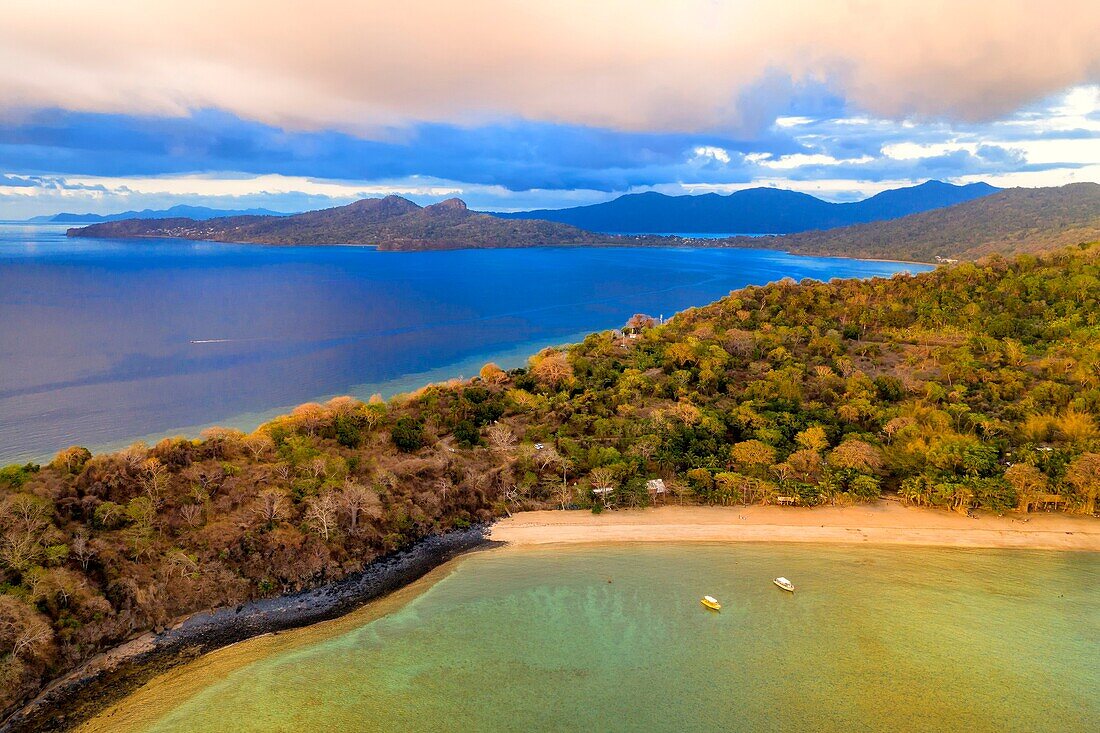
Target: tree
x=359, y=503
x=309, y=418
x=259, y=444
x=110, y=515
x=857, y=455
x=23, y=632
x=752, y=455
x=191, y=514
x=813, y=438
x=321, y=514
x=270, y=506
x=467, y=434
x=552, y=368
x=804, y=465
x=603, y=482
x=1083, y=474
x=72, y=459
x=23, y=520
x=155, y=480
x=1028, y=482
x=501, y=438
x=492, y=374
x=407, y=434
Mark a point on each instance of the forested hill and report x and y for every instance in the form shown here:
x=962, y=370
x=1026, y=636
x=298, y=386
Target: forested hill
x=753, y=210
x=976, y=385
x=391, y=223
x=1008, y=222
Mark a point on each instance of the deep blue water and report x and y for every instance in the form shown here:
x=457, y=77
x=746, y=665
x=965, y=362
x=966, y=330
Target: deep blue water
x=106, y=341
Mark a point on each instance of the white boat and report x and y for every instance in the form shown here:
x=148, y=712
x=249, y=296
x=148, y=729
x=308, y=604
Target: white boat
x=784, y=584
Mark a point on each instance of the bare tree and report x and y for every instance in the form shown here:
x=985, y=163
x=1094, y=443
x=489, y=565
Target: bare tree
x=81, y=549
x=309, y=417
x=564, y=494
x=603, y=482
x=24, y=631
x=501, y=438
x=547, y=457
x=321, y=514
x=444, y=486
x=258, y=445
x=154, y=480
x=135, y=454
x=191, y=514
x=270, y=506
x=358, y=502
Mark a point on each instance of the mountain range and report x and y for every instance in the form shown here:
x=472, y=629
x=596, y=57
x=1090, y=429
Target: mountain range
x=198, y=213
x=1008, y=221
x=753, y=210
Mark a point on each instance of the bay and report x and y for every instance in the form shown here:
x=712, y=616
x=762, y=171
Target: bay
x=106, y=341
x=613, y=637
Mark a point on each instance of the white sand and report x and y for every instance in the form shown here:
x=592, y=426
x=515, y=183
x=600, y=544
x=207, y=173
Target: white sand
x=885, y=523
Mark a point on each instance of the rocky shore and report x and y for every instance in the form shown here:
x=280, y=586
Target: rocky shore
x=108, y=677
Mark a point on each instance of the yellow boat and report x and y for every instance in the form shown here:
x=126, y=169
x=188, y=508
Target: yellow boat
x=712, y=603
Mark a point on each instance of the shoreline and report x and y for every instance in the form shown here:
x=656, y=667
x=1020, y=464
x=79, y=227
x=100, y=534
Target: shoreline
x=885, y=522
x=108, y=677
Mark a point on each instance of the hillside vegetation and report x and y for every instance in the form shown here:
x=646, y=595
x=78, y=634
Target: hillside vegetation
x=1008, y=222
x=970, y=386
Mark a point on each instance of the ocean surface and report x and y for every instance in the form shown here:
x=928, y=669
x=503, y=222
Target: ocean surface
x=613, y=638
x=106, y=341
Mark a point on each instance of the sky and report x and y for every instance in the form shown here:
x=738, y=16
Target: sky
x=519, y=104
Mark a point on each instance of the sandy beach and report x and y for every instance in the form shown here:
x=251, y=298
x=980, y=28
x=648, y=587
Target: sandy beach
x=884, y=523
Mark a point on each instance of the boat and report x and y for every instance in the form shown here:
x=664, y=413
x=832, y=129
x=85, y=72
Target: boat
x=712, y=603
x=784, y=584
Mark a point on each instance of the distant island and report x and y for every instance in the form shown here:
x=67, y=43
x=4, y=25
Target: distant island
x=199, y=213
x=390, y=223
x=1012, y=220
x=753, y=210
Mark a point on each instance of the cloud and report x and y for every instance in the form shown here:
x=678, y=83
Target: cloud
x=51, y=159
x=373, y=69
x=709, y=153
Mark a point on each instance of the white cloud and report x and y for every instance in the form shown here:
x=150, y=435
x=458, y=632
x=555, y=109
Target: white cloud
x=801, y=160
x=914, y=151
x=672, y=65
x=710, y=152
x=792, y=121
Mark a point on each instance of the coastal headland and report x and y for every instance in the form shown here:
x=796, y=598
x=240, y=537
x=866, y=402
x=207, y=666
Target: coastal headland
x=112, y=675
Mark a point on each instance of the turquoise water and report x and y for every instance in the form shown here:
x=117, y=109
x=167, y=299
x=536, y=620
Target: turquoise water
x=105, y=341
x=614, y=638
